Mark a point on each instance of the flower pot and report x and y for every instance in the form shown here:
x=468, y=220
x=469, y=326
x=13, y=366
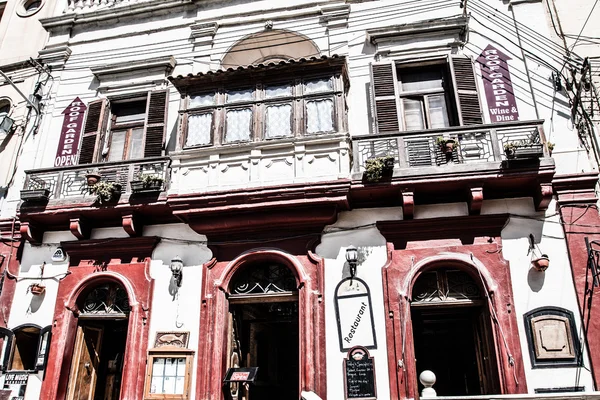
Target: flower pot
x=542, y=263
x=92, y=178
x=37, y=289
x=448, y=146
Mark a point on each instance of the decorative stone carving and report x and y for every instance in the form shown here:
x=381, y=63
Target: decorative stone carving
x=173, y=339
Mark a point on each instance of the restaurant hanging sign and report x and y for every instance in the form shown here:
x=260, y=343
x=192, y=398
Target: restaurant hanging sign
x=354, y=314
x=497, y=84
x=68, y=143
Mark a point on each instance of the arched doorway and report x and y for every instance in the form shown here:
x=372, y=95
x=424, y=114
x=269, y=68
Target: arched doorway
x=264, y=330
x=452, y=333
x=98, y=354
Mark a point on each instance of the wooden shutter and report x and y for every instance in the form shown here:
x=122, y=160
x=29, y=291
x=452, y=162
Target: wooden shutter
x=385, y=98
x=156, y=123
x=465, y=89
x=8, y=337
x=419, y=152
x=95, y=125
x=43, y=348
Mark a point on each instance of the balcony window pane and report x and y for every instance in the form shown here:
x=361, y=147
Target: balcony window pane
x=117, y=145
x=422, y=78
x=318, y=85
x=438, y=114
x=278, y=91
x=206, y=99
x=413, y=114
x=319, y=116
x=239, y=95
x=199, y=129
x=239, y=122
x=279, y=120
x=136, y=143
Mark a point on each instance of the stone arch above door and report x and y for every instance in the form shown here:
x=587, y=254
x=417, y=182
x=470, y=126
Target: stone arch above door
x=269, y=46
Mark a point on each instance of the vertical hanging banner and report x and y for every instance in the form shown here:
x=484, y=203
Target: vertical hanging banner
x=68, y=144
x=497, y=83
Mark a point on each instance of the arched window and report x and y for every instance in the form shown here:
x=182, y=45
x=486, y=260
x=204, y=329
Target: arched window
x=264, y=329
x=453, y=334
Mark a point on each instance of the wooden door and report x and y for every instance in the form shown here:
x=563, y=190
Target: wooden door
x=486, y=355
x=86, y=359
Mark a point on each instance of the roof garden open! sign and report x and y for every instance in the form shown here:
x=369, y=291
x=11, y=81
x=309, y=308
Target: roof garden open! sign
x=497, y=84
x=68, y=143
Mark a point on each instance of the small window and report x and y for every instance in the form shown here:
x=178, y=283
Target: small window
x=423, y=93
x=28, y=8
x=127, y=130
x=168, y=373
x=25, y=348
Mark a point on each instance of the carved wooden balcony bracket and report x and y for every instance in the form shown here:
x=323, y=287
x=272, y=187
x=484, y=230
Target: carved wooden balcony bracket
x=408, y=204
x=80, y=228
x=475, y=200
x=132, y=225
x=31, y=232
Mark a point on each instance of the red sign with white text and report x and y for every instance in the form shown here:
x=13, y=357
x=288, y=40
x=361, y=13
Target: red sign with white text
x=497, y=83
x=70, y=134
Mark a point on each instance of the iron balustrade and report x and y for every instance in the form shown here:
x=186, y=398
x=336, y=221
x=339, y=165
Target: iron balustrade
x=474, y=144
x=71, y=181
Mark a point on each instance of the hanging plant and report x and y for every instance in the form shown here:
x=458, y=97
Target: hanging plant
x=446, y=145
x=376, y=168
x=92, y=177
x=105, y=191
x=37, y=289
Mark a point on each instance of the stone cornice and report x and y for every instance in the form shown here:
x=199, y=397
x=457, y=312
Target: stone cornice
x=115, y=13
x=163, y=63
x=455, y=25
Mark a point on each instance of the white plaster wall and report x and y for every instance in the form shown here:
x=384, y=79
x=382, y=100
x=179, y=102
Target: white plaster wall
x=533, y=289
x=372, y=247
x=177, y=309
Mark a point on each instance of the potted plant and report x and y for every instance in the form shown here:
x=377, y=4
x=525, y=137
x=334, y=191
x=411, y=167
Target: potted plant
x=105, y=191
x=550, y=147
x=92, y=177
x=37, y=289
x=378, y=167
x=446, y=145
x=523, y=150
x=541, y=264
x=37, y=191
x=149, y=183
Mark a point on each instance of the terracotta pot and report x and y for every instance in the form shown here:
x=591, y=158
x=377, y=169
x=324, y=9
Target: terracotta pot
x=448, y=146
x=36, y=289
x=92, y=179
x=542, y=263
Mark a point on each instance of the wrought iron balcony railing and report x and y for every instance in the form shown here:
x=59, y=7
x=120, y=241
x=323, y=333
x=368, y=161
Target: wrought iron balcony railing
x=71, y=181
x=474, y=144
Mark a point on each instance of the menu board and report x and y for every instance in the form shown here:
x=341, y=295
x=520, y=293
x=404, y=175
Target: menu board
x=359, y=373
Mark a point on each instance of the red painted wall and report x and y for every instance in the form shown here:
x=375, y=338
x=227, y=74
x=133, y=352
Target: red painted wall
x=484, y=262
x=134, y=277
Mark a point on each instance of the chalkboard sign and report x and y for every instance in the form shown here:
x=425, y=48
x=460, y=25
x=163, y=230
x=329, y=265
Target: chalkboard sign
x=359, y=374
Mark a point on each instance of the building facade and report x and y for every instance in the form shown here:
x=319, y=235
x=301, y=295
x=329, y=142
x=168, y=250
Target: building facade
x=357, y=198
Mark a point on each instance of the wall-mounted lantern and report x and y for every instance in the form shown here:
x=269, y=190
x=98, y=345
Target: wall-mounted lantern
x=352, y=258
x=6, y=124
x=177, y=269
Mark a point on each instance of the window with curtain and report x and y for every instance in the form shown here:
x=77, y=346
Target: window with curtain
x=267, y=110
